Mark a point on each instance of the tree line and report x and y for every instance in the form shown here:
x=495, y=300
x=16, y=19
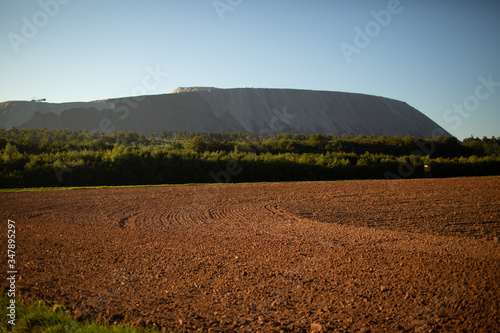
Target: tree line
x=39, y=157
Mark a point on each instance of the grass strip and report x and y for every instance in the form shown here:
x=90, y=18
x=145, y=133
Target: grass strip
x=43, y=316
x=37, y=189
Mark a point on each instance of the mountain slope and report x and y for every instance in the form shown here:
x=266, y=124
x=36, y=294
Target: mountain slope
x=265, y=111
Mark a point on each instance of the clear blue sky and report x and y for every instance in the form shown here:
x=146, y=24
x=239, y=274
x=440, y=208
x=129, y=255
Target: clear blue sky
x=429, y=54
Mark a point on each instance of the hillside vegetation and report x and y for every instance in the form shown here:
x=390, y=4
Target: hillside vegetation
x=40, y=158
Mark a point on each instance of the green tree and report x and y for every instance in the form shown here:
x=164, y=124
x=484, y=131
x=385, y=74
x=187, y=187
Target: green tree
x=318, y=141
x=10, y=153
x=197, y=144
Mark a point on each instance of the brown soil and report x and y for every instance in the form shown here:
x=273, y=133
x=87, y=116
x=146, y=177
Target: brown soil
x=401, y=255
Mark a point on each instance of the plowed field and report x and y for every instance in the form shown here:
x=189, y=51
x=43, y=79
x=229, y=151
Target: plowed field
x=380, y=256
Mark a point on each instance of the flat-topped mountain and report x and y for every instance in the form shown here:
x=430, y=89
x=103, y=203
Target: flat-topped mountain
x=205, y=109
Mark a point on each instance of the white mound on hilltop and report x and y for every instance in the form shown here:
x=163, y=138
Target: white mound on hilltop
x=191, y=89
x=206, y=109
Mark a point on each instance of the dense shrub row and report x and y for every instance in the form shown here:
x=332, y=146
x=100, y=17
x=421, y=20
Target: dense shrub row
x=33, y=158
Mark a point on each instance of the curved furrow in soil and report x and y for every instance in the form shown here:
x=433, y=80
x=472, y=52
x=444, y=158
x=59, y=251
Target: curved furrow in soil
x=149, y=219
x=214, y=217
x=232, y=213
x=156, y=216
x=243, y=219
x=88, y=214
